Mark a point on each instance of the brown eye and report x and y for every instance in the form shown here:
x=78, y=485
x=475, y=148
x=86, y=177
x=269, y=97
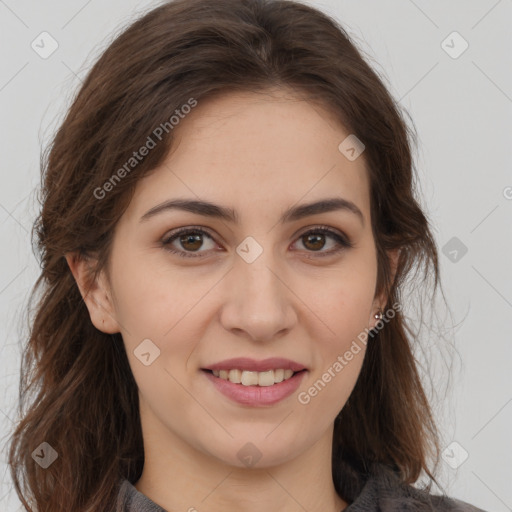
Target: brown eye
x=190, y=240
x=315, y=240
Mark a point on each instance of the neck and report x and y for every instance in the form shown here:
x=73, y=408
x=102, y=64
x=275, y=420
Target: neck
x=177, y=476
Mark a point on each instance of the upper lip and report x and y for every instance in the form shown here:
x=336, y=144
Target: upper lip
x=252, y=365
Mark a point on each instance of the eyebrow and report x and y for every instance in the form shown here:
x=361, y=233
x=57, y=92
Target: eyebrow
x=294, y=213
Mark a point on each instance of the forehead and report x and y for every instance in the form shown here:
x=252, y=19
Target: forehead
x=248, y=149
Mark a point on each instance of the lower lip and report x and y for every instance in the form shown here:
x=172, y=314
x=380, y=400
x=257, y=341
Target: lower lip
x=256, y=395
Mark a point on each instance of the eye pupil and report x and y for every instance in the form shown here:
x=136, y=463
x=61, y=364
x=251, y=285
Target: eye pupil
x=192, y=238
x=318, y=237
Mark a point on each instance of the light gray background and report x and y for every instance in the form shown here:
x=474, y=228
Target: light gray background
x=462, y=110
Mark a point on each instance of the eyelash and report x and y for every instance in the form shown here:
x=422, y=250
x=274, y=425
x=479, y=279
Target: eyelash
x=343, y=242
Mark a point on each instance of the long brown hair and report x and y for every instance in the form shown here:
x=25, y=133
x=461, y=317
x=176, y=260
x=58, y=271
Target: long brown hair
x=76, y=384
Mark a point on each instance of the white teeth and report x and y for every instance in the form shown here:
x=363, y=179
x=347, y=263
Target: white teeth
x=278, y=375
x=235, y=376
x=266, y=378
x=247, y=378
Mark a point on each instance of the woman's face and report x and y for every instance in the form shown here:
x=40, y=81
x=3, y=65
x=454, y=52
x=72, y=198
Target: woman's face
x=254, y=287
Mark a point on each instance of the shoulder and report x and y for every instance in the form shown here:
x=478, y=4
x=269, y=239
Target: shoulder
x=462, y=506
x=383, y=491
x=129, y=499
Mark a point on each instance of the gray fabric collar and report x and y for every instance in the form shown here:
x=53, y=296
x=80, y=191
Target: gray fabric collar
x=380, y=491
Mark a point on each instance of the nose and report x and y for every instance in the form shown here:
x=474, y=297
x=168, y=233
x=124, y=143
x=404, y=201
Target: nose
x=259, y=303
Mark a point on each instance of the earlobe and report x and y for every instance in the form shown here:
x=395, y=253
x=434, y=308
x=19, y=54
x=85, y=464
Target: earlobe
x=94, y=293
x=377, y=315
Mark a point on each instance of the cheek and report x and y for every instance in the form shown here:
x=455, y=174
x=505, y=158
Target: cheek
x=340, y=307
x=151, y=298
x=343, y=311
x=343, y=307
x=342, y=346
x=342, y=300
x=167, y=307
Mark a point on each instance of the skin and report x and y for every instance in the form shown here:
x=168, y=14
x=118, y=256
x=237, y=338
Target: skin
x=258, y=154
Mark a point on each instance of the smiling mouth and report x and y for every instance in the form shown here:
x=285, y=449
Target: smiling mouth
x=248, y=378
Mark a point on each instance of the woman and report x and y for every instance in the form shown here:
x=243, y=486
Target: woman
x=228, y=217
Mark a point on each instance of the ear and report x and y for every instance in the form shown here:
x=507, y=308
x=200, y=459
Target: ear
x=96, y=294
x=393, y=256
x=381, y=300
